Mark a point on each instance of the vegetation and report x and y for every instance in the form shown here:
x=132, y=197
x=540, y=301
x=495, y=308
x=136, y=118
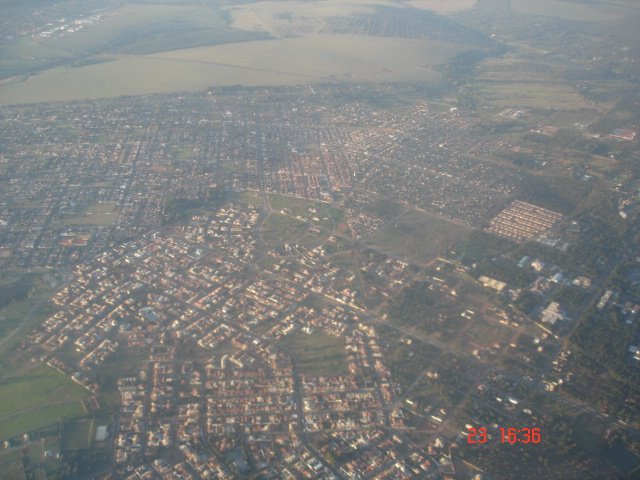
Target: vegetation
x=36, y=398
x=605, y=341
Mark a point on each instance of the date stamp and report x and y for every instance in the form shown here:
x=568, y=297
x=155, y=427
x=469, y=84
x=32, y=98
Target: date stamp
x=511, y=436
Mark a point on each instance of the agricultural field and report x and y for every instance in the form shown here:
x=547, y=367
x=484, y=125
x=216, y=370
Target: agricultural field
x=317, y=353
x=417, y=236
x=36, y=398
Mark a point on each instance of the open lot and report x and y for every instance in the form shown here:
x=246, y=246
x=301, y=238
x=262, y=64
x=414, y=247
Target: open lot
x=417, y=236
x=317, y=353
x=96, y=214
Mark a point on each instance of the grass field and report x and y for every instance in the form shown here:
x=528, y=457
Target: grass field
x=96, y=214
x=37, y=398
x=317, y=353
x=417, y=236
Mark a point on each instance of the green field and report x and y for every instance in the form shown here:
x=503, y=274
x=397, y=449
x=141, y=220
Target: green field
x=317, y=353
x=417, y=236
x=37, y=398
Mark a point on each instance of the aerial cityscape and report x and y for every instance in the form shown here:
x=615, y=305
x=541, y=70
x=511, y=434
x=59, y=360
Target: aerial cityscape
x=290, y=239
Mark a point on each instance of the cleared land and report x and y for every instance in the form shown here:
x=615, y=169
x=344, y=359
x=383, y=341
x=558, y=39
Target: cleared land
x=37, y=398
x=317, y=353
x=417, y=236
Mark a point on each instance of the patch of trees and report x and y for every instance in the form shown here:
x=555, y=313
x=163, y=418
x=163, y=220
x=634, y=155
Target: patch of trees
x=409, y=23
x=180, y=209
x=605, y=339
x=528, y=302
x=570, y=296
x=480, y=245
x=413, y=304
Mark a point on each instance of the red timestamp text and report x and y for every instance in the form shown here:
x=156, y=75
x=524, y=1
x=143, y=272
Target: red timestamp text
x=512, y=436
